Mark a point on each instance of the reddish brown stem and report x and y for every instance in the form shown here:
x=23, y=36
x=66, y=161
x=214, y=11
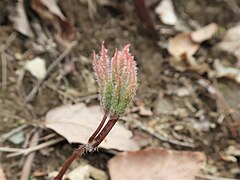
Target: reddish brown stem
x=144, y=16
x=90, y=140
x=68, y=162
x=104, y=132
x=97, y=137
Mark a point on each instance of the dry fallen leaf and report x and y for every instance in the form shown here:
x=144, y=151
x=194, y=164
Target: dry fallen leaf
x=231, y=42
x=37, y=67
x=2, y=175
x=84, y=172
x=156, y=163
x=143, y=111
x=189, y=42
x=204, y=33
x=53, y=7
x=50, y=14
x=20, y=20
x=182, y=44
x=77, y=123
x=166, y=12
x=188, y=63
x=228, y=72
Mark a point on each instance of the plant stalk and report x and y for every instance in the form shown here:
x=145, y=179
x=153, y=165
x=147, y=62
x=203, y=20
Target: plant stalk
x=90, y=140
x=93, y=142
x=68, y=162
x=106, y=129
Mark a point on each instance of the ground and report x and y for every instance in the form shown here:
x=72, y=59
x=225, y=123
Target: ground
x=197, y=118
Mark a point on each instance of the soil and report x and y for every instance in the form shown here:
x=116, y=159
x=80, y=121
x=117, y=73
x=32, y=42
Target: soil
x=118, y=24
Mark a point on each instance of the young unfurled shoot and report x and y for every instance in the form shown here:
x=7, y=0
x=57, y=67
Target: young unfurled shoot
x=117, y=79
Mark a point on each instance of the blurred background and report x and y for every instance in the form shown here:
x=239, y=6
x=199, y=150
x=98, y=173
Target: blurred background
x=187, y=107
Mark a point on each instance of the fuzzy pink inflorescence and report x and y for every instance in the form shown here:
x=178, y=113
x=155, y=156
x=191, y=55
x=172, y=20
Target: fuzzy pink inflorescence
x=117, y=79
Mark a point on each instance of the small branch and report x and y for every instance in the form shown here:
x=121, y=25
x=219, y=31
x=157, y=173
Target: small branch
x=28, y=163
x=19, y=151
x=12, y=132
x=4, y=70
x=171, y=141
x=143, y=14
x=210, y=177
x=39, y=83
x=221, y=103
x=162, y=138
x=3, y=48
x=98, y=129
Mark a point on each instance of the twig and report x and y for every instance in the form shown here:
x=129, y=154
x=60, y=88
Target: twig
x=12, y=132
x=162, y=138
x=8, y=42
x=4, y=70
x=2, y=175
x=35, y=89
x=84, y=98
x=29, y=160
x=73, y=99
x=144, y=15
x=25, y=145
x=233, y=5
x=19, y=151
x=221, y=102
x=21, y=93
x=60, y=92
x=47, y=137
x=3, y=57
x=210, y=177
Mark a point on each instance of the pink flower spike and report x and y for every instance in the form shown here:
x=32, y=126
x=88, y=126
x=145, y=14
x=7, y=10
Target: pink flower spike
x=122, y=59
x=97, y=68
x=117, y=79
x=104, y=60
x=114, y=63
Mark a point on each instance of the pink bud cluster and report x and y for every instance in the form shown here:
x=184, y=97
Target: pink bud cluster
x=117, y=79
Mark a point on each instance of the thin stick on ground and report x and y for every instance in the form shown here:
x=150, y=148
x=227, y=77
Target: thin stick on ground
x=39, y=83
x=4, y=70
x=222, y=104
x=29, y=160
x=12, y=132
x=162, y=138
x=210, y=177
x=19, y=151
x=4, y=60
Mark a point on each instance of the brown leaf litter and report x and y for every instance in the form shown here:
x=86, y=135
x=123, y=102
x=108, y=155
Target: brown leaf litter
x=231, y=42
x=81, y=121
x=2, y=175
x=156, y=163
x=184, y=45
